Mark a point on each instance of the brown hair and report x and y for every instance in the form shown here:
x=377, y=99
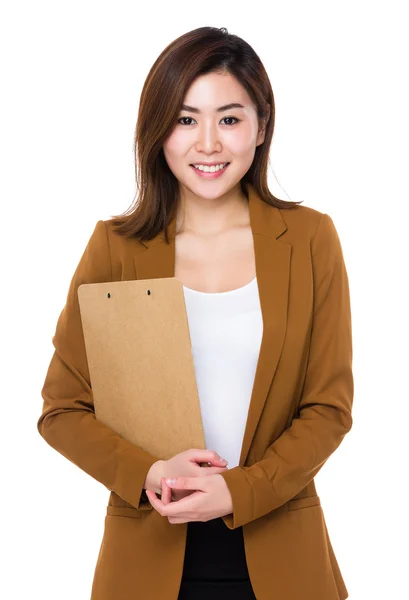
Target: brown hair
x=203, y=50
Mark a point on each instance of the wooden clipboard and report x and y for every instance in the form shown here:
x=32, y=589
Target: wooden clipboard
x=140, y=362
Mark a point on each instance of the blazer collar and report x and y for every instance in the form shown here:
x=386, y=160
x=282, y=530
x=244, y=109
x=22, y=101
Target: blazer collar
x=272, y=258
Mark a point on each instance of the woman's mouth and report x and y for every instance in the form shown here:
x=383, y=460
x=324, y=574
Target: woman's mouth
x=213, y=173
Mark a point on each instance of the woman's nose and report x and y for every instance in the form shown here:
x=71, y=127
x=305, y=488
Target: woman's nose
x=208, y=139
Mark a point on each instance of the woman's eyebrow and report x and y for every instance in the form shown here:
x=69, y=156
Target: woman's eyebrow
x=193, y=109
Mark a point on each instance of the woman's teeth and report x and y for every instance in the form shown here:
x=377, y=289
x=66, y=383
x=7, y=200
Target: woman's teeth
x=211, y=169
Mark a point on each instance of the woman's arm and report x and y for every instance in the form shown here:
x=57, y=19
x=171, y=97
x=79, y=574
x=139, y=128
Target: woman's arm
x=324, y=416
x=68, y=422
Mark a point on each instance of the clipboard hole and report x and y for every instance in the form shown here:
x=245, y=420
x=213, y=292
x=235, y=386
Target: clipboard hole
x=108, y=295
x=148, y=292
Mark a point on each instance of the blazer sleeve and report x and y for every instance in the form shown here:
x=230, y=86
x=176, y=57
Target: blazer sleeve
x=324, y=413
x=68, y=422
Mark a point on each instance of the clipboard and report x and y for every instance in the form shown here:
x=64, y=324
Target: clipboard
x=140, y=362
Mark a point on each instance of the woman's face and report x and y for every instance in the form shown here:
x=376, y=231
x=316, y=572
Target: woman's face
x=204, y=134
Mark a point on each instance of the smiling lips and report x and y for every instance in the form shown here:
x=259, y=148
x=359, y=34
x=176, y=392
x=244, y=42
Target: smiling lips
x=210, y=171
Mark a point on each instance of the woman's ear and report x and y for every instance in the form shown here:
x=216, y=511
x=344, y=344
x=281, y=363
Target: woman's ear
x=263, y=125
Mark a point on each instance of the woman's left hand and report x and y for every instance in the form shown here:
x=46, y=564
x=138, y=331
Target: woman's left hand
x=211, y=499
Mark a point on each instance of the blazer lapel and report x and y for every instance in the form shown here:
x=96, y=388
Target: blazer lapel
x=272, y=258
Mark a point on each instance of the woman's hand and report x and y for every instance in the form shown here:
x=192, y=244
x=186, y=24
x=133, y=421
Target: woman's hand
x=187, y=464
x=210, y=498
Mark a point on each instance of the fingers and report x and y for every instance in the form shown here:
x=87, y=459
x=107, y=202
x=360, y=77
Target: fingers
x=188, y=483
x=212, y=470
x=166, y=492
x=169, y=495
x=210, y=456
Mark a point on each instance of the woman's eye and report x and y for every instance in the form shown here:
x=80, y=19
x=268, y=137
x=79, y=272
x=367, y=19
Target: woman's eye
x=191, y=119
x=234, y=119
x=184, y=118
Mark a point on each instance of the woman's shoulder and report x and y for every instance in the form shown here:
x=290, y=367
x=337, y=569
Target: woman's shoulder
x=301, y=219
x=118, y=241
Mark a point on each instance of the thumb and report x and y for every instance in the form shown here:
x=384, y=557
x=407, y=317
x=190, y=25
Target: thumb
x=209, y=456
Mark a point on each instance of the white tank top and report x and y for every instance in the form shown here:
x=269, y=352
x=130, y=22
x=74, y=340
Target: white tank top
x=225, y=331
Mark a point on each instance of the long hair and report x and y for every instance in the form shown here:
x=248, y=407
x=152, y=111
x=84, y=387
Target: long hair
x=203, y=50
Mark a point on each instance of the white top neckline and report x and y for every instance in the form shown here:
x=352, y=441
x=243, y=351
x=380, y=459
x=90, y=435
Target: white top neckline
x=221, y=293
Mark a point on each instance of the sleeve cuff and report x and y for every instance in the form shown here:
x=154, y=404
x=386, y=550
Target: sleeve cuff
x=242, y=497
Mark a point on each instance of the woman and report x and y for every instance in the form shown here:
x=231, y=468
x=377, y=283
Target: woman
x=267, y=300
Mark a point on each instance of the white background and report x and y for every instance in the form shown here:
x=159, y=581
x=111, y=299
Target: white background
x=71, y=76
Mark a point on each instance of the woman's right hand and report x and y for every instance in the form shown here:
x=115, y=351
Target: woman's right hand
x=187, y=464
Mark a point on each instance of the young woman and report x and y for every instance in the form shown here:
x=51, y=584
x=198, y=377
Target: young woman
x=267, y=299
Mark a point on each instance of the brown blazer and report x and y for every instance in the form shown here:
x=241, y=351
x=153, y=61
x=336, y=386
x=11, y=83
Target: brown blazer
x=299, y=413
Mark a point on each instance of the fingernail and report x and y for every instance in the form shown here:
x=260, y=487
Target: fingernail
x=170, y=481
x=224, y=461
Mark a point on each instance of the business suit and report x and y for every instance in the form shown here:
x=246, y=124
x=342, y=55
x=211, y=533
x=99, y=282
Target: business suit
x=299, y=413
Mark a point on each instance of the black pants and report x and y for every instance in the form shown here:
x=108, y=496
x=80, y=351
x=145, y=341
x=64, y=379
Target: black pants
x=215, y=563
